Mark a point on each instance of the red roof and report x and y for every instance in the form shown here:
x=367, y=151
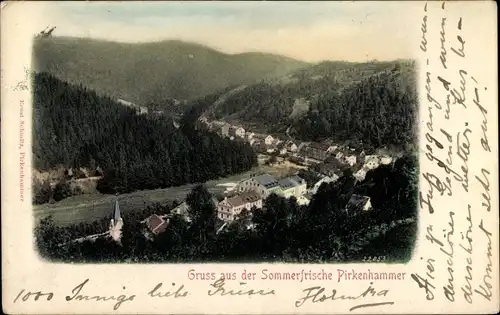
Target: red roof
x=156, y=224
x=244, y=198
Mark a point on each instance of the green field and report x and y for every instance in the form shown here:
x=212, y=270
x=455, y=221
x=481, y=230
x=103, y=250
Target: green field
x=89, y=207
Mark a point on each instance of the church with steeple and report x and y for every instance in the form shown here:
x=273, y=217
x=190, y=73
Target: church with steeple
x=115, y=227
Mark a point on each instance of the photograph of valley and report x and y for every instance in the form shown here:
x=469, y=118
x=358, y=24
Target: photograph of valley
x=224, y=132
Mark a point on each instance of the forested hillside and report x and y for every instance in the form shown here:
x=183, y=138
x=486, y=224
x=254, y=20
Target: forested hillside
x=154, y=72
x=379, y=110
x=374, y=102
x=74, y=127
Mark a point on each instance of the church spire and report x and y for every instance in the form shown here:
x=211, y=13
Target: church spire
x=116, y=212
x=115, y=227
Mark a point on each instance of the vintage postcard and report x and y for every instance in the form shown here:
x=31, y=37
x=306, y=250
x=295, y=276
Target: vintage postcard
x=249, y=157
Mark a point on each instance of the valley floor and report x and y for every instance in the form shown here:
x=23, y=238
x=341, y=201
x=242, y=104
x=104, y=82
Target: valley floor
x=89, y=207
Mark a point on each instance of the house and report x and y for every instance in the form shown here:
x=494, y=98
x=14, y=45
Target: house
x=291, y=146
x=315, y=151
x=271, y=148
x=330, y=149
x=304, y=200
x=224, y=130
x=249, y=135
x=330, y=168
x=326, y=179
x=360, y=174
x=329, y=145
x=268, y=140
x=116, y=224
x=297, y=160
x=361, y=157
x=301, y=189
x=237, y=131
x=383, y=151
x=385, y=160
x=371, y=162
x=358, y=204
x=217, y=124
x=301, y=146
x=211, y=126
x=259, y=136
x=125, y=103
x=156, y=224
x=229, y=208
x=281, y=148
x=182, y=210
x=263, y=184
x=350, y=159
x=142, y=110
x=345, y=157
x=277, y=141
x=292, y=186
x=139, y=109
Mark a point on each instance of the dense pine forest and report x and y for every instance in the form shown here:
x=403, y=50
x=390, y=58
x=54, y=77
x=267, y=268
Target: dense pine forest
x=374, y=103
x=379, y=110
x=76, y=127
x=322, y=231
x=274, y=100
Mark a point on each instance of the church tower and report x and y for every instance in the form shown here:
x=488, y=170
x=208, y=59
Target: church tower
x=115, y=228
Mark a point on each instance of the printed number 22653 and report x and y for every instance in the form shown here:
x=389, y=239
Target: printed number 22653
x=373, y=258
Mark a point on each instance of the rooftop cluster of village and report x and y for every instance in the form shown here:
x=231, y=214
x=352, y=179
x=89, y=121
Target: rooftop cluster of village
x=249, y=194
x=142, y=110
x=329, y=158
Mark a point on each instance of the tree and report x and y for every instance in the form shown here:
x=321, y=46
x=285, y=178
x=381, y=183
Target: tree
x=45, y=237
x=203, y=214
x=281, y=231
x=201, y=206
x=42, y=191
x=273, y=159
x=78, y=128
x=62, y=190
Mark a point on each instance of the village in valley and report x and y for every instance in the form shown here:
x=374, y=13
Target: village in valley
x=158, y=209
x=327, y=160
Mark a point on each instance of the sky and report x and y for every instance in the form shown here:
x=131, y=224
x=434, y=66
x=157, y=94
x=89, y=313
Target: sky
x=309, y=31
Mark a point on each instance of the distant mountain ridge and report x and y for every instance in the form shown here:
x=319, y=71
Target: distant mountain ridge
x=152, y=72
